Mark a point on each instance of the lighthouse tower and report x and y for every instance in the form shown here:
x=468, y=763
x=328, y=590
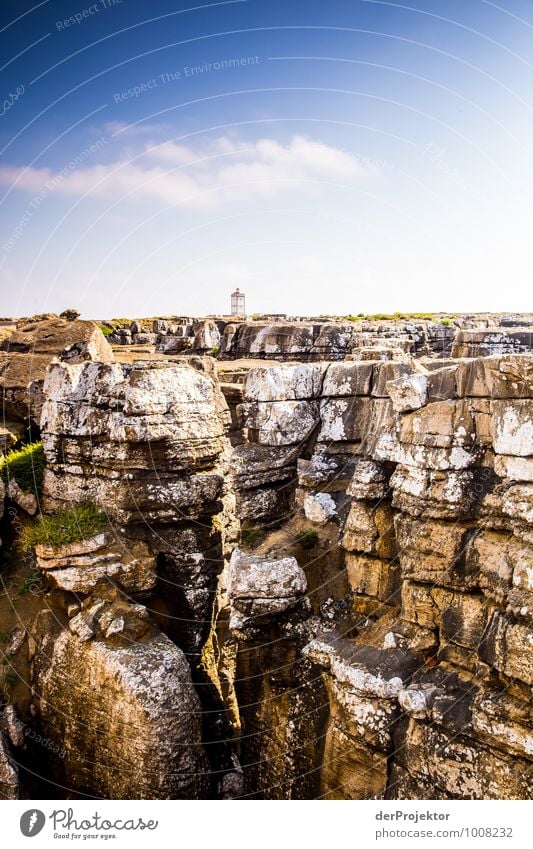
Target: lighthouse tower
x=238, y=306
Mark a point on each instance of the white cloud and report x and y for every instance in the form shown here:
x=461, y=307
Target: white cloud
x=223, y=171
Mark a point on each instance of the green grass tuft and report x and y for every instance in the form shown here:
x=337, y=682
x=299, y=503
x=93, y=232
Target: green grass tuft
x=26, y=466
x=71, y=524
x=250, y=537
x=308, y=539
x=31, y=583
x=107, y=331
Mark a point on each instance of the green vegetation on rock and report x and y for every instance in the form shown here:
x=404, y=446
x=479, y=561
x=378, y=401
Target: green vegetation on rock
x=395, y=316
x=25, y=466
x=308, y=539
x=68, y=525
x=107, y=331
x=250, y=537
x=31, y=583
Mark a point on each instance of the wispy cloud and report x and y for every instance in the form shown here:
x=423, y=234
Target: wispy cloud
x=222, y=171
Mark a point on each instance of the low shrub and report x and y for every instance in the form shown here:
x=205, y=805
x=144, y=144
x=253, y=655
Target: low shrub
x=71, y=524
x=25, y=466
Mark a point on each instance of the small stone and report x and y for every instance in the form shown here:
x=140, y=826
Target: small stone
x=389, y=641
x=232, y=785
x=15, y=641
x=319, y=508
x=418, y=699
x=25, y=500
x=81, y=625
x=12, y=726
x=115, y=627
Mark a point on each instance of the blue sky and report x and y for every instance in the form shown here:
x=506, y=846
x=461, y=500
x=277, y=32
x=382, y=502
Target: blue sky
x=339, y=157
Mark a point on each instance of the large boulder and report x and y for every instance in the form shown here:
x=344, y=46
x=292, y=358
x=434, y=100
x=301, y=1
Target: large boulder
x=262, y=587
x=128, y=436
x=26, y=354
x=206, y=336
x=121, y=703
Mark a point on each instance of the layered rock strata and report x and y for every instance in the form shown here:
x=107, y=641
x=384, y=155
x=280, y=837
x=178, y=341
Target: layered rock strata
x=26, y=354
x=424, y=476
x=146, y=441
x=118, y=694
x=374, y=643
x=322, y=340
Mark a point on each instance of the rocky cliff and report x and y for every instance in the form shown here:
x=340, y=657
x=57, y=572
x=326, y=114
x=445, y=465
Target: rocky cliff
x=423, y=478
x=333, y=603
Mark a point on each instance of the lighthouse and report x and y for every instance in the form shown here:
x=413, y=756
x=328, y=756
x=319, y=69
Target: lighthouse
x=238, y=306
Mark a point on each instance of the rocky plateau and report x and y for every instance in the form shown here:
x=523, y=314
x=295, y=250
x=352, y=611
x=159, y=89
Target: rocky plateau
x=309, y=573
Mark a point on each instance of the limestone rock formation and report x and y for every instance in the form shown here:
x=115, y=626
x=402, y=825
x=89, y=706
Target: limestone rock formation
x=491, y=340
x=26, y=354
x=9, y=778
x=338, y=601
x=122, y=705
x=433, y=518
x=146, y=441
x=368, y=340
x=139, y=430
x=83, y=567
x=260, y=588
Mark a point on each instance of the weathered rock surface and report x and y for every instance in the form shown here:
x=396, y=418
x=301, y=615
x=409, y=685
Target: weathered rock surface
x=491, y=340
x=26, y=354
x=9, y=779
x=147, y=442
x=101, y=561
x=124, y=709
x=323, y=340
x=139, y=429
x=433, y=521
x=260, y=588
x=374, y=643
